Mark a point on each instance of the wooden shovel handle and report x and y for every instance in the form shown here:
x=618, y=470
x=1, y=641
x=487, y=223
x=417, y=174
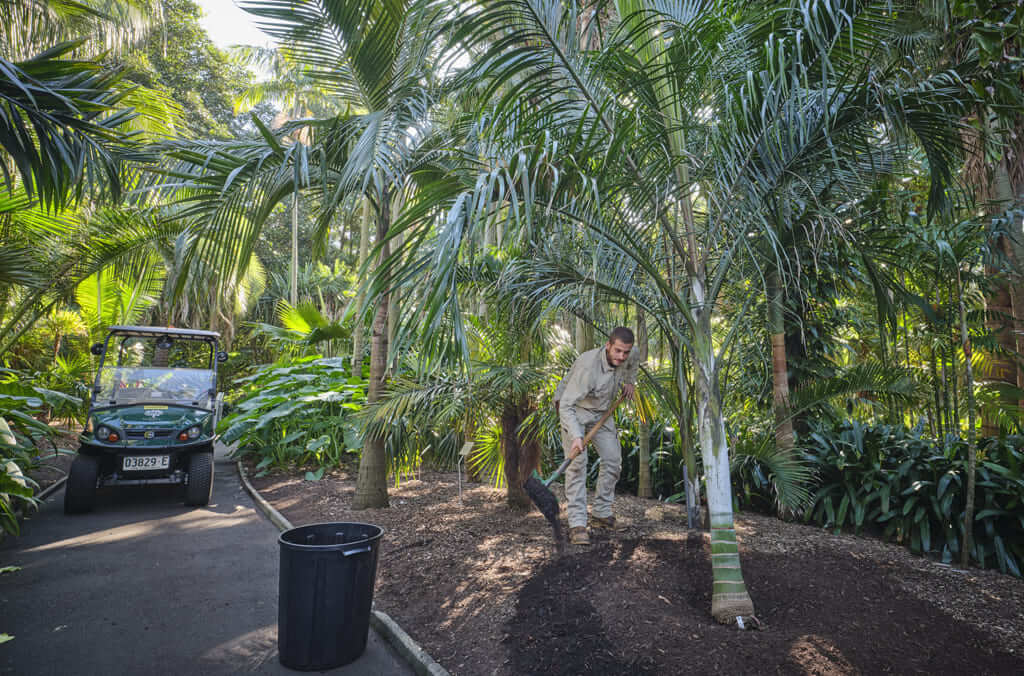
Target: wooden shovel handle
x=586, y=439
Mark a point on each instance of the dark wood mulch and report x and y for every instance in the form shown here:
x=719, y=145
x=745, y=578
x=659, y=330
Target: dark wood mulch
x=485, y=592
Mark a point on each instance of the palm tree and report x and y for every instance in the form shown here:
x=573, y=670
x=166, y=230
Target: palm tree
x=675, y=131
x=374, y=58
x=300, y=95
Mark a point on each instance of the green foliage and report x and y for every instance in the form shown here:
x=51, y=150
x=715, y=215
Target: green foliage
x=179, y=58
x=21, y=430
x=105, y=299
x=666, y=458
x=297, y=411
x=303, y=326
x=61, y=125
x=884, y=478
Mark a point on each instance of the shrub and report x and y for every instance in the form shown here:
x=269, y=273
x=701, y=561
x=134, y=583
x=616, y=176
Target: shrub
x=911, y=489
x=21, y=407
x=295, y=412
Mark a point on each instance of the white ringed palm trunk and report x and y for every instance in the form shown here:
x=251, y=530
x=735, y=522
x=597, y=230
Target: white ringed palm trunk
x=729, y=597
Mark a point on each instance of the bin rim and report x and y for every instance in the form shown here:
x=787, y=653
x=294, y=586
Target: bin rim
x=300, y=546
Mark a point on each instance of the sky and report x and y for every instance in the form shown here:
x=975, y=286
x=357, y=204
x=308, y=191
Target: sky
x=228, y=25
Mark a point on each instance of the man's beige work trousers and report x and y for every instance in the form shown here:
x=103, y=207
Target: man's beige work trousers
x=606, y=441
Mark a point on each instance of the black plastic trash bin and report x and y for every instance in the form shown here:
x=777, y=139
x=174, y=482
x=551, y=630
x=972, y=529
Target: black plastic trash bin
x=326, y=590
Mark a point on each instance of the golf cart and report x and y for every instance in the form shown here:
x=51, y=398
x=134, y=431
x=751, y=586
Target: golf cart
x=152, y=417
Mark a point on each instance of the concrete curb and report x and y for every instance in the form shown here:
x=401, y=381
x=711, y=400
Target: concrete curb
x=52, y=488
x=276, y=517
x=421, y=662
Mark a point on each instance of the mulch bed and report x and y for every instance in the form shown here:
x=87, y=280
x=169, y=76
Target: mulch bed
x=54, y=459
x=485, y=592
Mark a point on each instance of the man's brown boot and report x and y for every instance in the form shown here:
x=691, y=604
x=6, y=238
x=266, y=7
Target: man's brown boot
x=606, y=523
x=578, y=536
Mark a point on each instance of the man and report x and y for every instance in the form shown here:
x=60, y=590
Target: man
x=584, y=395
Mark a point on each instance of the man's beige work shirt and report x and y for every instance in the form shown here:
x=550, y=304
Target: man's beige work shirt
x=589, y=389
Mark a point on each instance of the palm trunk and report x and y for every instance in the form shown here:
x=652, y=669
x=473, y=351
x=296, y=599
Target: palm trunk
x=729, y=597
x=999, y=304
x=954, y=371
x=691, y=477
x=294, y=275
x=580, y=337
x=780, y=365
x=643, y=487
x=936, y=395
x=372, y=485
x=517, y=463
x=357, y=324
x=972, y=451
x=393, y=316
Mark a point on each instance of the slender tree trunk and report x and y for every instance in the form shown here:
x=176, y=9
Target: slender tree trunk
x=955, y=372
x=99, y=300
x=936, y=396
x=643, y=488
x=947, y=408
x=972, y=451
x=780, y=365
x=294, y=281
x=691, y=476
x=371, y=484
x=358, y=325
x=469, y=435
x=393, y=314
x=729, y=597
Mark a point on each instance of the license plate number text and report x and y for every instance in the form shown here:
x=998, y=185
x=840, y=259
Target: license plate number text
x=146, y=462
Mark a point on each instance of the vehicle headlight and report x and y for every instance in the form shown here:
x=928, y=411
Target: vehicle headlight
x=104, y=433
x=190, y=433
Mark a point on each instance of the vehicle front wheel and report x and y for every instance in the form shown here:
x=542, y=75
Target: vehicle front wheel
x=200, y=479
x=80, y=489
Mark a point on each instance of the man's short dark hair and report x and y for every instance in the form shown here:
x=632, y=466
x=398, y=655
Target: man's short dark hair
x=621, y=334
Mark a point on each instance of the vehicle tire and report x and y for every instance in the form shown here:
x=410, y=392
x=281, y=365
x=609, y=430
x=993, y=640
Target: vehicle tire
x=200, y=479
x=80, y=489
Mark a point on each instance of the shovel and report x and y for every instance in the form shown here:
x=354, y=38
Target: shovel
x=538, y=490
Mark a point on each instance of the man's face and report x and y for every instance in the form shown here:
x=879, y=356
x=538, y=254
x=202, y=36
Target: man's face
x=617, y=351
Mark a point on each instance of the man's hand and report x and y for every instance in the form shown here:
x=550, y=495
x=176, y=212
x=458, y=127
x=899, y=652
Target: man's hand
x=629, y=390
x=576, y=448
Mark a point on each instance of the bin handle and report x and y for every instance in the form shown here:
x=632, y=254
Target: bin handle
x=351, y=552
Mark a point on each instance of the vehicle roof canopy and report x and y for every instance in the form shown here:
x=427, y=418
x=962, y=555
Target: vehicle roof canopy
x=152, y=331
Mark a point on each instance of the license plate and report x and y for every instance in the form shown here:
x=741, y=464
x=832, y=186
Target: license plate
x=146, y=462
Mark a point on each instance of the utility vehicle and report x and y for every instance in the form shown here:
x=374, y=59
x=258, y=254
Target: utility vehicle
x=152, y=416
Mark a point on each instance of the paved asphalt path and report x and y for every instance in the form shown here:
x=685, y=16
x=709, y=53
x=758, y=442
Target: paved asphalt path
x=143, y=585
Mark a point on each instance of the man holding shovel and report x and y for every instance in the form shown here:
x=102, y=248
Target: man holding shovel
x=585, y=394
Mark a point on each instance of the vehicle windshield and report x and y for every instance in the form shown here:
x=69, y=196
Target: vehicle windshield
x=157, y=369
x=133, y=385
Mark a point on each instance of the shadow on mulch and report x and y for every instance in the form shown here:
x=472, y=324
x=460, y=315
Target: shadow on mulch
x=822, y=614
